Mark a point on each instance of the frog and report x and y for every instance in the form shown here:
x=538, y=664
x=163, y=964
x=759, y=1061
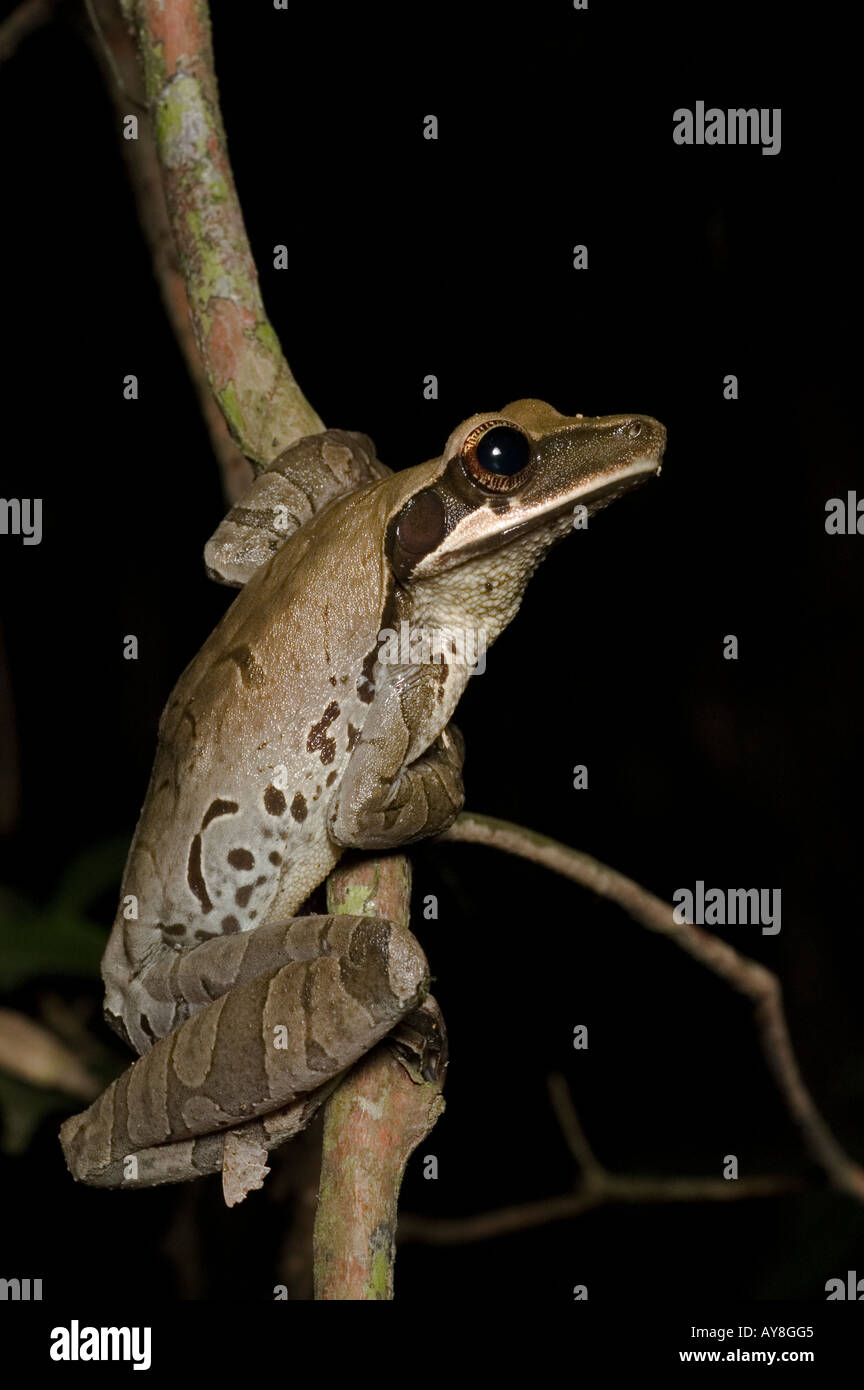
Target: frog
x=301, y=732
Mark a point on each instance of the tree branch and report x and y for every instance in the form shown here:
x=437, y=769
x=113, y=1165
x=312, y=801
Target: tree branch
x=373, y=1123
x=114, y=48
x=595, y=1187
x=242, y=359
x=747, y=976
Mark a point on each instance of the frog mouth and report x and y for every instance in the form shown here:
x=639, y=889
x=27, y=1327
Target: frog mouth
x=594, y=493
x=541, y=504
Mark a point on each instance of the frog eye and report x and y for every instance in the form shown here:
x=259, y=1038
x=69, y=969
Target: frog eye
x=635, y=429
x=496, y=454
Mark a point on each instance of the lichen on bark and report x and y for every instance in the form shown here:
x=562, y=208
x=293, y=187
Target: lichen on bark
x=243, y=361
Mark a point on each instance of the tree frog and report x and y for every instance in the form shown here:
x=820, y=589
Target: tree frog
x=292, y=736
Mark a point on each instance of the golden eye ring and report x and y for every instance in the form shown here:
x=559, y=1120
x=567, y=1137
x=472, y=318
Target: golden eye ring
x=496, y=454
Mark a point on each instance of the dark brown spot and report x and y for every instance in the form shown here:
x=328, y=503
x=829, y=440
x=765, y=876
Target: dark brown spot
x=260, y=880
x=332, y=680
x=195, y=877
x=331, y=777
x=176, y=929
x=242, y=896
x=252, y=916
x=275, y=857
x=230, y=925
x=274, y=801
x=218, y=808
x=201, y=935
x=489, y=586
x=365, y=681
x=298, y=807
x=319, y=740
x=241, y=859
x=440, y=673
x=353, y=735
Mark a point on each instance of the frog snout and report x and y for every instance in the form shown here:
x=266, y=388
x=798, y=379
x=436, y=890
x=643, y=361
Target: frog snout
x=648, y=435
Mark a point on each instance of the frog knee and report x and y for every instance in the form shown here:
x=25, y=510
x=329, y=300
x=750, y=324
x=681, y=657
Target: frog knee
x=408, y=967
x=383, y=966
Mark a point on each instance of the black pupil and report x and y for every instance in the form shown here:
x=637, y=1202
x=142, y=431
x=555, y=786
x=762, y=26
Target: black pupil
x=502, y=450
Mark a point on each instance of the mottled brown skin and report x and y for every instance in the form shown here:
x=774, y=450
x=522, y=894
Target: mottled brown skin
x=287, y=739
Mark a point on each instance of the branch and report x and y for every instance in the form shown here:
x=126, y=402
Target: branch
x=595, y=1188
x=115, y=51
x=29, y=16
x=747, y=976
x=242, y=359
x=373, y=1122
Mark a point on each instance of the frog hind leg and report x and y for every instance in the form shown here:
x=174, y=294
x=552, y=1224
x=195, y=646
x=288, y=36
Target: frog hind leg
x=292, y=1006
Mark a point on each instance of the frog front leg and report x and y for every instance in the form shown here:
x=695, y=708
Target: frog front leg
x=293, y=1004
x=404, y=779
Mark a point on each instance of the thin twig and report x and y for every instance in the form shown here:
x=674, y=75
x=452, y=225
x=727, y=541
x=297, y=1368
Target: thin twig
x=746, y=976
x=463, y=1230
x=571, y=1126
x=22, y=22
x=595, y=1187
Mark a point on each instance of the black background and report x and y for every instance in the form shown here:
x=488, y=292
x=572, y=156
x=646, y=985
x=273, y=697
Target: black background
x=410, y=257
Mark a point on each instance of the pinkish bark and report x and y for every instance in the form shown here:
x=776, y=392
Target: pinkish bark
x=242, y=359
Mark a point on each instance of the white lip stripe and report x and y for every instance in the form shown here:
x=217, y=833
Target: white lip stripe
x=463, y=536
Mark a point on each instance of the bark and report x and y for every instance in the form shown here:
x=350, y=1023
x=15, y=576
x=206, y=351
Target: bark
x=373, y=1122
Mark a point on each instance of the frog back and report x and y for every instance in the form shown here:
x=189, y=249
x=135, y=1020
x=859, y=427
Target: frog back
x=259, y=729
